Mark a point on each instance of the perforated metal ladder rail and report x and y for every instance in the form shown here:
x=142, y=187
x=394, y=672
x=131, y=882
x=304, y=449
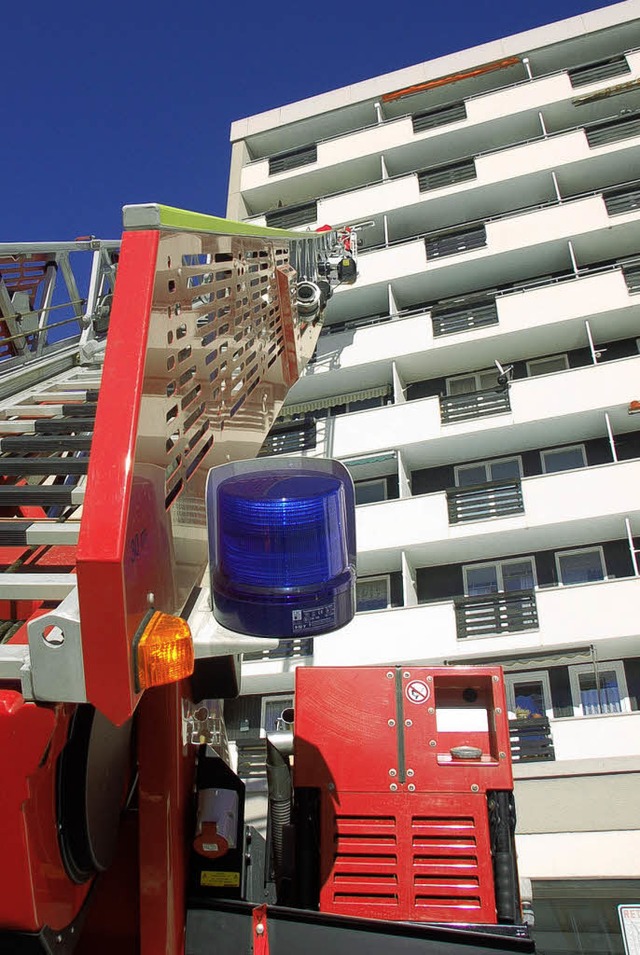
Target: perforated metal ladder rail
x=204, y=342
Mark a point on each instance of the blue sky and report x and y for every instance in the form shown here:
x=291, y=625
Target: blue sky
x=110, y=103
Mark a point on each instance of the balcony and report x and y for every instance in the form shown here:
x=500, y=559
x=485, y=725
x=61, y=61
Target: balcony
x=604, y=614
x=494, y=119
x=566, y=509
x=563, y=408
x=470, y=333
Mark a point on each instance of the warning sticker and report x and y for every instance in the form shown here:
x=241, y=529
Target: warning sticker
x=417, y=691
x=226, y=880
x=310, y=621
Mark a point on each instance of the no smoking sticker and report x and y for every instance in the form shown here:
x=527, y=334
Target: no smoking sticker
x=417, y=691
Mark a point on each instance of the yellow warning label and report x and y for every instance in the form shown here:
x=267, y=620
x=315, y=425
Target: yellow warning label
x=226, y=880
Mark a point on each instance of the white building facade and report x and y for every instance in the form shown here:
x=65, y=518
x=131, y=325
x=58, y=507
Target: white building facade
x=497, y=522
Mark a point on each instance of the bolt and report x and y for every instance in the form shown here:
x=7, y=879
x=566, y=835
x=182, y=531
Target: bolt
x=495, y=679
x=411, y=787
x=410, y=772
x=392, y=772
x=502, y=755
x=331, y=787
x=431, y=710
x=393, y=787
x=391, y=722
x=474, y=788
x=406, y=674
x=389, y=675
x=259, y=929
x=429, y=679
x=432, y=742
x=498, y=710
x=408, y=722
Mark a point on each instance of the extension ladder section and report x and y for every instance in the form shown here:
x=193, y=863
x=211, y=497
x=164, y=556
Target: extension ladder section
x=103, y=465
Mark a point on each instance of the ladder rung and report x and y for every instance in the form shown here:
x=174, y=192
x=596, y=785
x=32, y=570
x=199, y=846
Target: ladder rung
x=62, y=425
x=21, y=533
x=86, y=410
x=36, y=586
x=44, y=466
x=41, y=495
x=41, y=442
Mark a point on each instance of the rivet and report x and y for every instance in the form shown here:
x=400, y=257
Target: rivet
x=495, y=679
x=392, y=772
x=259, y=929
x=411, y=787
x=410, y=772
x=502, y=755
x=391, y=722
x=498, y=710
x=474, y=788
x=331, y=787
x=432, y=742
x=393, y=787
x=406, y=674
x=408, y=722
x=431, y=710
x=429, y=679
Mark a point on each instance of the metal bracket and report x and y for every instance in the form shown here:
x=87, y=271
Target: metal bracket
x=55, y=645
x=15, y=666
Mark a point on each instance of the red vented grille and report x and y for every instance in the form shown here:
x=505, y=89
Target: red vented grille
x=365, y=863
x=446, y=871
x=424, y=857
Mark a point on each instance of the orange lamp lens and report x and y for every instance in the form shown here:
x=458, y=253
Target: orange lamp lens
x=164, y=653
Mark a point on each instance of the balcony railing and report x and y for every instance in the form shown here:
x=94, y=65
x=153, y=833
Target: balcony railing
x=612, y=132
x=454, y=242
x=602, y=70
x=476, y=404
x=289, y=438
x=496, y=614
x=619, y=201
x=462, y=317
x=478, y=502
x=449, y=175
x=440, y=116
x=531, y=740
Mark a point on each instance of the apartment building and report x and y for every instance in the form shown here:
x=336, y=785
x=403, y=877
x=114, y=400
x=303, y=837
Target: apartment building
x=481, y=381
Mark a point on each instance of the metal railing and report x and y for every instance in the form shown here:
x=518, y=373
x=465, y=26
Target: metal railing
x=495, y=614
x=439, y=116
x=290, y=438
x=531, y=740
x=619, y=201
x=479, y=502
x=476, y=404
x=449, y=175
x=453, y=242
x=293, y=159
x=463, y=317
x=595, y=72
x=600, y=134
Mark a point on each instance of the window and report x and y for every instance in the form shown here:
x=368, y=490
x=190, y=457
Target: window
x=504, y=469
x=368, y=492
x=271, y=718
x=563, y=459
x=546, y=366
x=476, y=381
x=499, y=577
x=372, y=593
x=581, y=566
x=529, y=695
x=599, y=690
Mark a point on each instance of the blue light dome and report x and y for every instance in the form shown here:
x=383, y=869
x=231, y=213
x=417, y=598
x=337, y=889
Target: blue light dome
x=282, y=547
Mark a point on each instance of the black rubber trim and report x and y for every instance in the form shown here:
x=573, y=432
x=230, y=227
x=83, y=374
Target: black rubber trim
x=41, y=442
x=73, y=835
x=35, y=495
x=400, y=726
x=44, y=466
x=62, y=425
